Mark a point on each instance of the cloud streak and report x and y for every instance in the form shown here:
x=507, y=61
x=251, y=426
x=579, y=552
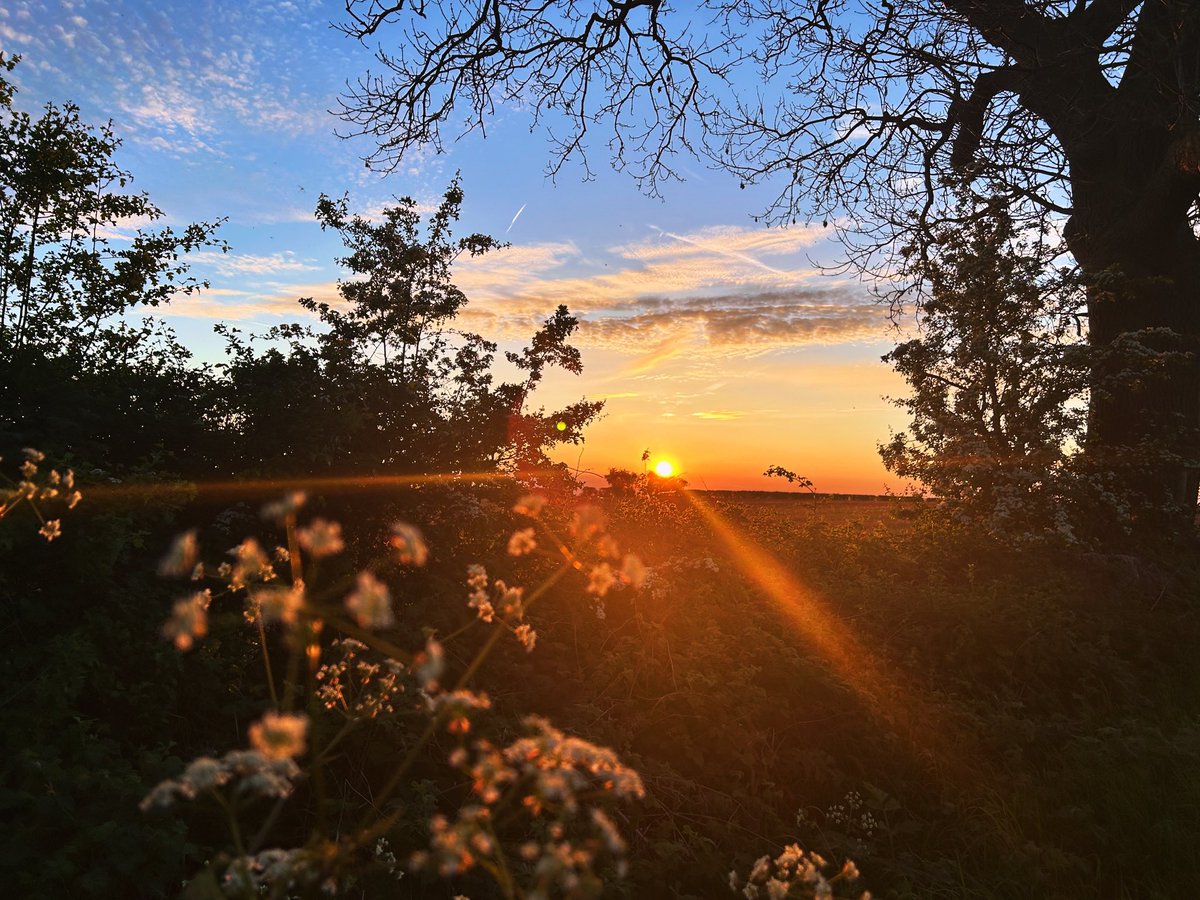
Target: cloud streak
x=666, y=296
x=705, y=294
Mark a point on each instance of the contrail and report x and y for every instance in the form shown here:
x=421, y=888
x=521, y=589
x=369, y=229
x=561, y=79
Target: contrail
x=514, y=218
x=730, y=254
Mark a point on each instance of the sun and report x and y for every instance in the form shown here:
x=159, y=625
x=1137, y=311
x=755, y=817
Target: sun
x=664, y=469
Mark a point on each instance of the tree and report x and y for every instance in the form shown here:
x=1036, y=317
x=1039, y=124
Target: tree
x=387, y=382
x=79, y=370
x=998, y=376
x=1085, y=113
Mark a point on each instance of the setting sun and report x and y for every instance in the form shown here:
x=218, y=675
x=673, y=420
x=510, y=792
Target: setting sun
x=664, y=468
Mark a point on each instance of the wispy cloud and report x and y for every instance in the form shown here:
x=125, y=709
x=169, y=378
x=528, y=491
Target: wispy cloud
x=719, y=415
x=249, y=264
x=667, y=295
x=701, y=298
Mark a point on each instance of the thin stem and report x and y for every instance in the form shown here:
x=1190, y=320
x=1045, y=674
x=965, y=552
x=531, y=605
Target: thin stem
x=427, y=735
x=266, y=655
x=500, y=632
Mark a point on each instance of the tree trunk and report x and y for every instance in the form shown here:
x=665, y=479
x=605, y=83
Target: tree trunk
x=1131, y=235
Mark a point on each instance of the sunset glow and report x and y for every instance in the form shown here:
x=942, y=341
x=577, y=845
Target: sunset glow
x=696, y=321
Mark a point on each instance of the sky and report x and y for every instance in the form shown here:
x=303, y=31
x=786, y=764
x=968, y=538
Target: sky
x=715, y=341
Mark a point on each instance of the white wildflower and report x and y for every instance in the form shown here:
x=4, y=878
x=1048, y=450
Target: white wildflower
x=321, y=538
x=527, y=636
x=530, y=505
x=522, y=542
x=371, y=603
x=181, y=558
x=410, y=544
x=279, y=735
x=189, y=620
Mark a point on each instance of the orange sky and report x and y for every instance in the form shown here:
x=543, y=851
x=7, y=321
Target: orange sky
x=722, y=349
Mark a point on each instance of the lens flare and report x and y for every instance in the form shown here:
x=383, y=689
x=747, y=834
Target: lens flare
x=902, y=709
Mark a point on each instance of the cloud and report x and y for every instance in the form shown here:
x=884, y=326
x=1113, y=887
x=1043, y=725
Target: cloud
x=182, y=80
x=720, y=415
x=728, y=241
x=12, y=36
x=695, y=299
x=663, y=297
x=248, y=264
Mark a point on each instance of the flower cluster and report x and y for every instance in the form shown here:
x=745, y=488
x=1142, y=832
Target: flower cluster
x=850, y=817
x=321, y=538
x=360, y=689
x=371, y=603
x=189, y=620
x=279, y=735
x=251, y=563
x=596, y=553
x=289, y=869
x=53, y=487
x=794, y=868
x=553, y=777
x=244, y=772
x=497, y=600
x=410, y=544
x=554, y=781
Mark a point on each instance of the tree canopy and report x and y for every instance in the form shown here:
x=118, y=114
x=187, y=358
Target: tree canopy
x=387, y=380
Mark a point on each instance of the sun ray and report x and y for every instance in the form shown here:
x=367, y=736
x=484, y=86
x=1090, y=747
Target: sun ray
x=267, y=486
x=952, y=754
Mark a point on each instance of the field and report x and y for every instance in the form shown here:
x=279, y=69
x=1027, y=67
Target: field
x=856, y=677
x=831, y=509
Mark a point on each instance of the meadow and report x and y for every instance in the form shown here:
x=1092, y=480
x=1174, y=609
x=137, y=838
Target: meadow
x=856, y=679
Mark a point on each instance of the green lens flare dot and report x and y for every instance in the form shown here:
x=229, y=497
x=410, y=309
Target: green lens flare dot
x=561, y=426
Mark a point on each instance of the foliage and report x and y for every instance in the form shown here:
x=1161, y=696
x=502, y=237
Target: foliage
x=998, y=378
x=963, y=718
x=858, y=112
x=75, y=265
x=789, y=476
x=63, y=283
x=392, y=386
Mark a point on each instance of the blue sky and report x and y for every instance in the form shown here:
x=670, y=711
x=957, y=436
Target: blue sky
x=717, y=341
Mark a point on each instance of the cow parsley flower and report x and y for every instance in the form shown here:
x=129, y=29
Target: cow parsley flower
x=371, y=603
x=188, y=621
x=527, y=636
x=522, y=542
x=410, y=544
x=601, y=579
x=279, y=735
x=277, y=603
x=279, y=510
x=181, y=558
x=321, y=538
x=530, y=505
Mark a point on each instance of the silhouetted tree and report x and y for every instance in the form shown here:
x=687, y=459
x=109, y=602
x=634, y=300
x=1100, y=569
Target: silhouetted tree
x=80, y=371
x=998, y=377
x=387, y=384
